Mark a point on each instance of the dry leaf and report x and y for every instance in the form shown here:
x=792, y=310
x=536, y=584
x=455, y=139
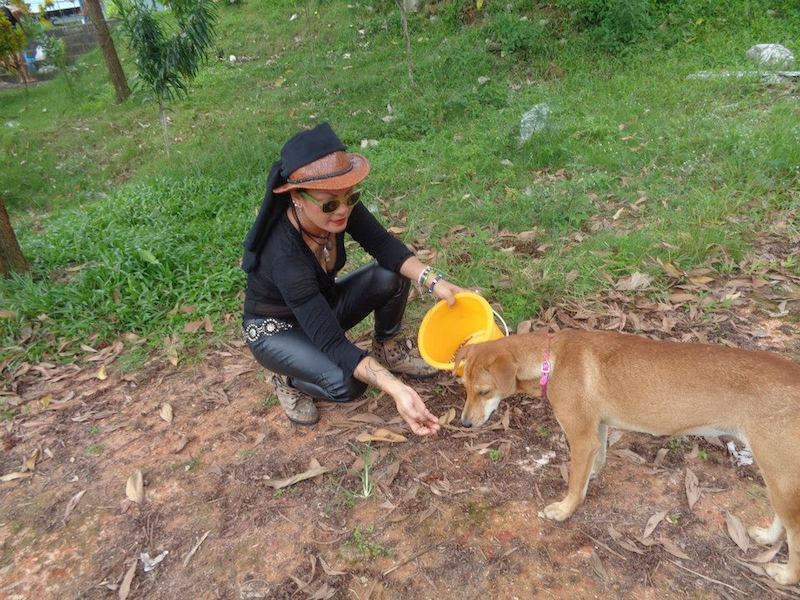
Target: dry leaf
x=208, y=325
x=660, y=456
x=680, y=298
x=387, y=476
x=180, y=444
x=737, y=531
x=652, y=523
x=636, y=281
x=172, y=355
x=166, y=412
x=15, y=475
x=73, y=502
x=370, y=418
x=673, y=548
x=381, y=435
x=506, y=420
x=193, y=326
x=7, y=314
x=630, y=455
x=692, y=488
x=314, y=470
x=328, y=570
x=30, y=462
x=623, y=541
x=134, y=488
x=672, y=270
x=101, y=373
x=597, y=565
x=768, y=555
x=125, y=586
x=447, y=417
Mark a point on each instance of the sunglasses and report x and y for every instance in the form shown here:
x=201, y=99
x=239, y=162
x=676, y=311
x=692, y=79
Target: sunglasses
x=328, y=206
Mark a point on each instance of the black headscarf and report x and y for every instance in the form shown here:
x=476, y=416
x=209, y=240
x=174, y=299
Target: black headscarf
x=305, y=147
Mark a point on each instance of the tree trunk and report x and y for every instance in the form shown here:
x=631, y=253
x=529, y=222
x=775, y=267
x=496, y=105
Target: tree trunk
x=11, y=258
x=109, y=51
x=407, y=39
x=162, y=115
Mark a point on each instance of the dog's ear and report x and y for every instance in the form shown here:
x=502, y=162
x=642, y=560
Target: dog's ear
x=504, y=372
x=461, y=355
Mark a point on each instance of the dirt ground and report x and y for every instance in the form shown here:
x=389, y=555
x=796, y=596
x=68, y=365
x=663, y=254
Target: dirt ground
x=449, y=517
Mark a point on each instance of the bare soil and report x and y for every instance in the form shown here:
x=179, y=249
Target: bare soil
x=450, y=517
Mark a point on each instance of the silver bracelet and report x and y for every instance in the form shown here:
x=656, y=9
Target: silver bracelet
x=423, y=275
x=436, y=280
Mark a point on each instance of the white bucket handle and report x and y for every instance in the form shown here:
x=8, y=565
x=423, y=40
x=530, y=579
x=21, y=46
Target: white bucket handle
x=497, y=314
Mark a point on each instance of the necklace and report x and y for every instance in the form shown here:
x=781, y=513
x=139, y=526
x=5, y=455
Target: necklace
x=324, y=242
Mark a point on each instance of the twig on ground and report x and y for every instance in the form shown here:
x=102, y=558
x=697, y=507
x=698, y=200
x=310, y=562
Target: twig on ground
x=194, y=548
x=602, y=545
x=412, y=557
x=701, y=576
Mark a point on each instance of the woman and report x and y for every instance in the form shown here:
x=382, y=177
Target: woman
x=296, y=311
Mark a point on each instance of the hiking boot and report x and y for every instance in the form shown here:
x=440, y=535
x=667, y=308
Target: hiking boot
x=400, y=355
x=299, y=407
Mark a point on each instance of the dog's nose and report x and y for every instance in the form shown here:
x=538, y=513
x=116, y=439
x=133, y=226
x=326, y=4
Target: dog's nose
x=466, y=422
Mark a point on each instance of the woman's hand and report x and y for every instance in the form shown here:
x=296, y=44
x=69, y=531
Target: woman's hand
x=413, y=410
x=444, y=290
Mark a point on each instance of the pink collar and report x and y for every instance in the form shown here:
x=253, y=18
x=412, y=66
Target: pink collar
x=547, y=368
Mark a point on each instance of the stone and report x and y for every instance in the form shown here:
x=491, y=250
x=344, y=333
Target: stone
x=771, y=55
x=533, y=121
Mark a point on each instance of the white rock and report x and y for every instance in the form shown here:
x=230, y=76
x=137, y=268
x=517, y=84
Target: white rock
x=533, y=121
x=771, y=55
x=232, y=58
x=482, y=79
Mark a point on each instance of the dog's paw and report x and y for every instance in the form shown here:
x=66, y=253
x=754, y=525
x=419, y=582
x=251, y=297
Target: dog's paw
x=764, y=535
x=557, y=511
x=782, y=574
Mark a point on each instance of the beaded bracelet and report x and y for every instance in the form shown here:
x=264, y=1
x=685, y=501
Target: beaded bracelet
x=435, y=280
x=424, y=275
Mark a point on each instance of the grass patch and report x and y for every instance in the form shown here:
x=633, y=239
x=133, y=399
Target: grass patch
x=122, y=240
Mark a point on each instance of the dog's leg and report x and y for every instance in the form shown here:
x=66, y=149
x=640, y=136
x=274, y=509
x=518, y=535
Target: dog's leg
x=767, y=535
x=583, y=445
x=600, y=458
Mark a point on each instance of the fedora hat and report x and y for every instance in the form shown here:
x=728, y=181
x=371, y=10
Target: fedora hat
x=335, y=171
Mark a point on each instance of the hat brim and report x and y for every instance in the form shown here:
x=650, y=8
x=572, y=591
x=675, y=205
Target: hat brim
x=355, y=175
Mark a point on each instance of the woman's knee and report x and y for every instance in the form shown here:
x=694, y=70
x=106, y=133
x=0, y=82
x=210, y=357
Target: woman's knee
x=389, y=283
x=339, y=388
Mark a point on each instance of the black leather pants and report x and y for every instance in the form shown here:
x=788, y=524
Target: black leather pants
x=368, y=289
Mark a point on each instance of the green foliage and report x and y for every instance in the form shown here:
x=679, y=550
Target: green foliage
x=614, y=24
x=515, y=34
x=12, y=41
x=167, y=61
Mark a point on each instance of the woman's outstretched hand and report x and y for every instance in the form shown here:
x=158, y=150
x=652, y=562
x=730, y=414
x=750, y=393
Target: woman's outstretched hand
x=413, y=410
x=444, y=290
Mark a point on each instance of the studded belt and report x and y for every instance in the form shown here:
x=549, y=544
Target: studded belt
x=254, y=329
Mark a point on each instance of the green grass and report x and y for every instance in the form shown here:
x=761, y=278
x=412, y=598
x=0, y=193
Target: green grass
x=121, y=238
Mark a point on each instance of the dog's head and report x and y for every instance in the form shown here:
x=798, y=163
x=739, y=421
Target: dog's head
x=490, y=374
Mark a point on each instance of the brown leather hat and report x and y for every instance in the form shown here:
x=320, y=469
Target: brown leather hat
x=335, y=171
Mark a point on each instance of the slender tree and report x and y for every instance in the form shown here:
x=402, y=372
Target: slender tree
x=11, y=257
x=409, y=60
x=109, y=50
x=168, y=60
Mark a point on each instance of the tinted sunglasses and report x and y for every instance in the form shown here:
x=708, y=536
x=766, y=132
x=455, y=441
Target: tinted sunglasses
x=328, y=206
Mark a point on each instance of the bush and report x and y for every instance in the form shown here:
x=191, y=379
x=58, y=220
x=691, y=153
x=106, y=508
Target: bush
x=514, y=34
x=613, y=24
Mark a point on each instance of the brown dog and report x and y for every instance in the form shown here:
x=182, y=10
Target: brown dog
x=602, y=379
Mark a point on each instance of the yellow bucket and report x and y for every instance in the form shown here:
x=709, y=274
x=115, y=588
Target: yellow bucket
x=444, y=329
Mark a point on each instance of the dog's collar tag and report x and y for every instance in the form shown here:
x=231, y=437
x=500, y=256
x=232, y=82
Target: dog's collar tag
x=547, y=368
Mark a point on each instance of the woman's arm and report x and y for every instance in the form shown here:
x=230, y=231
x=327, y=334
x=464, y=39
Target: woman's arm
x=409, y=404
x=413, y=268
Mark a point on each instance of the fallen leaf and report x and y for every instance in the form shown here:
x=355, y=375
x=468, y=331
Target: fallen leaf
x=7, y=314
x=636, y=281
x=30, y=462
x=447, y=417
x=660, y=456
x=328, y=570
x=314, y=470
x=15, y=475
x=672, y=270
x=673, y=548
x=652, y=523
x=134, y=488
x=737, y=531
x=623, y=541
x=125, y=586
x=193, y=326
x=768, y=555
x=597, y=566
x=370, y=418
x=208, y=325
x=680, y=298
x=180, y=444
x=692, y=488
x=630, y=455
x=101, y=373
x=73, y=502
x=166, y=412
x=381, y=435
x=524, y=327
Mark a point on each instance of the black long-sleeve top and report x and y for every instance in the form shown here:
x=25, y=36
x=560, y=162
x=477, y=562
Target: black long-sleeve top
x=290, y=284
